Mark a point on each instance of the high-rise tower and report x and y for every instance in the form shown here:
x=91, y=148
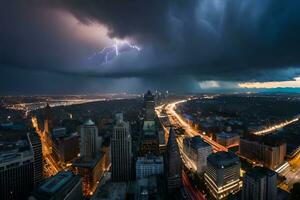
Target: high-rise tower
x=48, y=121
x=88, y=140
x=121, y=154
x=149, y=106
x=38, y=157
x=174, y=163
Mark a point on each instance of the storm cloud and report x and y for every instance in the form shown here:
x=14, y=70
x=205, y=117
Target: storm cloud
x=189, y=41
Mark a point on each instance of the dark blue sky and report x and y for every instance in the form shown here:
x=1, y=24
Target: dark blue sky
x=56, y=47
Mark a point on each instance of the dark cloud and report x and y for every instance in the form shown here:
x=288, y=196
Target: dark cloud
x=191, y=40
x=227, y=36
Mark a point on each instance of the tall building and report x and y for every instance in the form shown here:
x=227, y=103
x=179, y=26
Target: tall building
x=149, y=106
x=150, y=140
x=36, y=145
x=88, y=140
x=222, y=175
x=266, y=150
x=148, y=166
x=260, y=184
x=198, y=151
x=48, y=120
x=17, y=167
x=63, y=186
x=65, y=147
x=90, y=164
x=174, y=163
x=121, y=154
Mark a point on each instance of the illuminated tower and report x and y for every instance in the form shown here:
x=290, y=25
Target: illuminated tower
x=48, y=124
x=121, y=154
x=174, y=165
x=149, y=106
x=88, y=140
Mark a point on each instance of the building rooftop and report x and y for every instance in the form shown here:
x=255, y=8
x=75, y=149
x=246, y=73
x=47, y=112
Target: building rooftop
x=149, y=96
x=57, y=186
x=150, y=159
x=196, y=142
x=223, y=159
x=80, y=162
x=226, y=135
x=89, y=122
x=54, y=183
x=260, y=172
x=269, y=140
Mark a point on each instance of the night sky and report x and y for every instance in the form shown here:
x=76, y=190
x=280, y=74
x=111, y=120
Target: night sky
x=95, y=46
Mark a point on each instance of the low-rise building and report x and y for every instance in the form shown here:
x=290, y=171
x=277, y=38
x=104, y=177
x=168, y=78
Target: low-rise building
x=265, y=150
x=228, y=139
x=63, y=186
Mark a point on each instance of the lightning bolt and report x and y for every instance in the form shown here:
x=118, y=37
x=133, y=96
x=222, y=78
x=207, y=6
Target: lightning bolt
x=114, y=50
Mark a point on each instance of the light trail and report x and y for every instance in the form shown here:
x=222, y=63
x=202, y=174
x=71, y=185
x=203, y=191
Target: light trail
x=276, y=127
x=114, y=50
x=190, y=130
x=46, y=150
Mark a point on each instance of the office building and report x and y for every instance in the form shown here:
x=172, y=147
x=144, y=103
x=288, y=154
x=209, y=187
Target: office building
x=150, y=140
x=228, y=139
x=174, y=163
x=260, y=184
x=222, y=175
x=148, y=166
x=36, y=145
x=266, y=150
x=17, y=167
x=63, y=186
x=65, y=147
x=121, y=154
x=198, y=151
x=91, y=163
x=149, y=106
x=89, y=142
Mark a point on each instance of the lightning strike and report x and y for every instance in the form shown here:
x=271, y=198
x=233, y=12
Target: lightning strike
x=116, y=49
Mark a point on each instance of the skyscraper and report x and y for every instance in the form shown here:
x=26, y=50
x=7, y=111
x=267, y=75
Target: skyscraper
x=150, y=141
x=149, y=106
x=16, y=166
x=48, y=121
x=260, y=184
x=222, y=175
x=121, y=154
x=38, y=157
x=88, y=140
x=174, y=164
x=89, y=164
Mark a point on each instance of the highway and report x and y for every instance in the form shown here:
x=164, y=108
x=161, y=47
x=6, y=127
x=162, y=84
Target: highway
x=190, y=131
x=276, y=127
